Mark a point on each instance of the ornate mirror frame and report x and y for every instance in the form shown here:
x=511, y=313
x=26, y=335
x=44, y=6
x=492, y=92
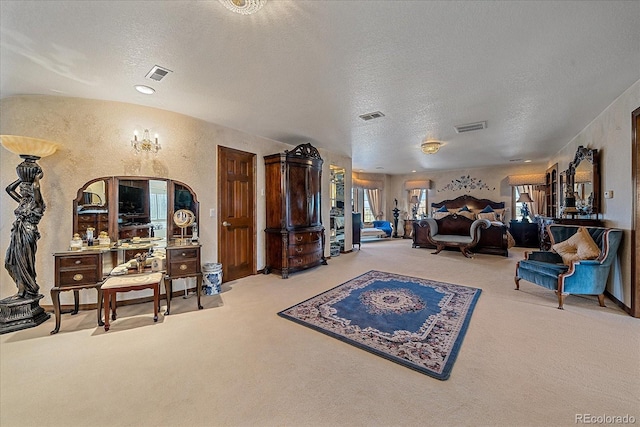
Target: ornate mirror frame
x=105, y=216
x=592, y=204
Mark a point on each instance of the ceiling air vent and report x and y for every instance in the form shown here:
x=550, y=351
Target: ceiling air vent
x=470, y=127
x=157, y=73
x=371, y=116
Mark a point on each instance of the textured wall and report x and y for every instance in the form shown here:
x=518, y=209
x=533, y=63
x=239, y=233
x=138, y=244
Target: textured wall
x=95, y=138
x=610, y=133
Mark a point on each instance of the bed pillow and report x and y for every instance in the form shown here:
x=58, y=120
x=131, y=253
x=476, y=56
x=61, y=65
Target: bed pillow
x=443, y=208
x=577, y=247
x=491, y=216
x=466, y=212
x=487, y=209
x=441, y=214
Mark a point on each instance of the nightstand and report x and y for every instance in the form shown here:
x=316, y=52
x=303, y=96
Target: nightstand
x=525, y=234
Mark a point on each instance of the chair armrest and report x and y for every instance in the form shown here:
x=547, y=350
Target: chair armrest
x=478, y=224
x=588, y=262
x=544, y=256
x=432, y=224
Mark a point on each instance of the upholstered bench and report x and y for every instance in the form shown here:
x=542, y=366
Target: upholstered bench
x=463, y=234
x=126, y=283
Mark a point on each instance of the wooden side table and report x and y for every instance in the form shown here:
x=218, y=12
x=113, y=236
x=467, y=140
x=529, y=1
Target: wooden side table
x=525, y=234
x=183, y=261
x=73, y=272
x=408, y=229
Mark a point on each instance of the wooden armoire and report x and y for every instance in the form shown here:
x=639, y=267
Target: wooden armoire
x=294, y=235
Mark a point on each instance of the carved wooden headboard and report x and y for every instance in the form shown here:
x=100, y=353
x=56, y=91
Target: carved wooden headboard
x=469, y=201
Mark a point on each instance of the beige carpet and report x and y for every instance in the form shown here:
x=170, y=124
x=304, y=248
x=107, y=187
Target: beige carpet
x=236, y=363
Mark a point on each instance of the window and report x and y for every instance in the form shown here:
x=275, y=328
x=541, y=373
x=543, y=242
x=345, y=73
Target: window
x=422, y=206
x=368, y=213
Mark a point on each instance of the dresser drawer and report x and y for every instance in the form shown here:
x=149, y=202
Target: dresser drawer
x=79, y=261
x=306, y=248
x=82, y=276
x=182, y=254
x=305, y=237
x=182, y=268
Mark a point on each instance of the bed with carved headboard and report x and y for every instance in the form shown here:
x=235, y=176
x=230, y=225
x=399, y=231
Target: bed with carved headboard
x=493, y=240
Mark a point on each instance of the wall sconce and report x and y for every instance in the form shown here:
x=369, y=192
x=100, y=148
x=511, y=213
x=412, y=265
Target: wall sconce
x=524, y=199
x=145, y=144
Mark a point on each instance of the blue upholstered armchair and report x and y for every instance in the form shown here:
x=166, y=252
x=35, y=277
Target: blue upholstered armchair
x=585, y=277
x=384, y=226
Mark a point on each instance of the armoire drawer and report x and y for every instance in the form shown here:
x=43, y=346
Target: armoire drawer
x=303, y=249
x=304, y=260
x=304, y=237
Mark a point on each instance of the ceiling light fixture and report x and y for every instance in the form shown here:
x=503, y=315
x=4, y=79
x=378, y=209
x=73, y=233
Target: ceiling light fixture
x=243, y=7
x=430, y=147
x=145, y=89
x=145, y=144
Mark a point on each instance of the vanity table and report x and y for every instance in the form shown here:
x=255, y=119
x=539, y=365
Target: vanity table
x=87, y=269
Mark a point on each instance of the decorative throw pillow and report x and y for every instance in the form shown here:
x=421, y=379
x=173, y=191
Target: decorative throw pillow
x=443, y=208
x=467, y=214
x=487, y=209
x=491, y=216
x=577, y=247
x=464, y=209
x=441, y=214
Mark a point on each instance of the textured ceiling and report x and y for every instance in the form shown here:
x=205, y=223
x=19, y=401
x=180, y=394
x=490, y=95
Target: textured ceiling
x=303, y=71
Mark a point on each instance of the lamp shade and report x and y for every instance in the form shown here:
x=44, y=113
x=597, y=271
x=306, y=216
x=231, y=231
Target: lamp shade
x=414, y=199
x=25, y=146
x=524, y=198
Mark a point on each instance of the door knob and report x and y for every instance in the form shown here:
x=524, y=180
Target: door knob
x=226, y=224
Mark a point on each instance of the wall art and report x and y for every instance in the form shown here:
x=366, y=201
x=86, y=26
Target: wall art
x=466, y=183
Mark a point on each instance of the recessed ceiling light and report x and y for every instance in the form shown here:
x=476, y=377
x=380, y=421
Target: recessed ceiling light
x=413, y=171
x=145, y=89
x=527, y=161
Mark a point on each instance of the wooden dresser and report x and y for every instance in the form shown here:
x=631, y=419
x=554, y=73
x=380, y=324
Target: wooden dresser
x=295, y=237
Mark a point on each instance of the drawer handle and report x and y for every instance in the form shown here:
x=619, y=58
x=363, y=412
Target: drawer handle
x=183, y=267
x=78, y=277
x=298, y=261
x=298, y=238
x=299, y=250
x=78, y=262
x=183, y=254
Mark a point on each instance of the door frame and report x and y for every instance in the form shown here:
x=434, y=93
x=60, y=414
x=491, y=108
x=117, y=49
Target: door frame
x=635, y=236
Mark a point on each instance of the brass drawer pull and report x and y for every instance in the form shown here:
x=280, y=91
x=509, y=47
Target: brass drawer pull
x=78, y=262
x=183, y=267
x=183, y=254
x=299, y=250
x=78, y=277
x=298, y=238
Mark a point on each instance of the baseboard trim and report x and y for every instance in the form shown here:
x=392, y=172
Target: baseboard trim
x=618, y=302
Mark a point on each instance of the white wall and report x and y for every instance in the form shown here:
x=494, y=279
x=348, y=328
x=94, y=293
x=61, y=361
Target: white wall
x=95, y=138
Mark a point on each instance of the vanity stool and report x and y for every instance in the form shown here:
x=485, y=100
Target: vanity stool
x=126, y=283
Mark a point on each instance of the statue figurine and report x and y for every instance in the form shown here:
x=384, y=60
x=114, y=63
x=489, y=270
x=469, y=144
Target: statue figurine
x=20, y=260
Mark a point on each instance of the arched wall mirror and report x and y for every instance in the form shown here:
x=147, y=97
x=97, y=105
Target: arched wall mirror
x=128, y=207
x=582, y=184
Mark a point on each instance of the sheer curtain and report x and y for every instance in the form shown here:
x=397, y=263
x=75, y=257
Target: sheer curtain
x=374, y=202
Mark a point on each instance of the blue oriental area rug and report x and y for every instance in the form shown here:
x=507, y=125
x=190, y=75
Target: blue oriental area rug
x=418, y=323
